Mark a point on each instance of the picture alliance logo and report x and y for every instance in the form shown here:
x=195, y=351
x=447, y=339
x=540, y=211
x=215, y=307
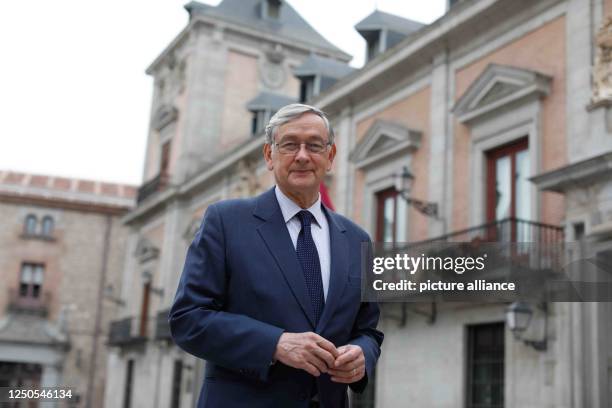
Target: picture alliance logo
x=414, y=264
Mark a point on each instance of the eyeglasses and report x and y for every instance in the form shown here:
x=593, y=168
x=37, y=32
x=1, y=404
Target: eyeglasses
x=294, y=147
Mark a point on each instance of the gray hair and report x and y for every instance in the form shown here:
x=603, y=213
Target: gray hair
x=288, y=113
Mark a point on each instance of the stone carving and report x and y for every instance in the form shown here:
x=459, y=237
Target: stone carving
x=164, y=115
x=145, y=250
x=602, y=71
x=272, y=70
x=248, y=183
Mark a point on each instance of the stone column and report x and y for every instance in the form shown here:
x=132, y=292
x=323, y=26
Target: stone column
x=438, y=163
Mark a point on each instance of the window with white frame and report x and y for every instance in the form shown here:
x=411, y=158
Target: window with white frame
x=31, y=280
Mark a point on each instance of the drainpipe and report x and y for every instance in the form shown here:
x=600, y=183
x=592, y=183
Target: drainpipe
x=98, y=320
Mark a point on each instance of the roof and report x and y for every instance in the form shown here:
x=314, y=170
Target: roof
x=67, y=190
x=417, y=49
x=289, y=25
x=328, y=67
x=268, y=100
x=380, y=20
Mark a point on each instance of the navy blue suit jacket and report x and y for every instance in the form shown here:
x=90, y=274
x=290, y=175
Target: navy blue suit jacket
x=242, y=286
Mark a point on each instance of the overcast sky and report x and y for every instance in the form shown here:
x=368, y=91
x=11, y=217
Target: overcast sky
x=74, y=98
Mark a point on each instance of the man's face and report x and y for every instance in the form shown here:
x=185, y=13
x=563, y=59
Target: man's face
x=301, y=172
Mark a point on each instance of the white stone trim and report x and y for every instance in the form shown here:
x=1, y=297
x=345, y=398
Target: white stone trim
x=505, y=127
x=377, y=179
x=342, y=163
x=525, y=84
x=406, y=139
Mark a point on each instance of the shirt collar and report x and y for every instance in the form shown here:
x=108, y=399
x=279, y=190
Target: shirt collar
x=289, y=208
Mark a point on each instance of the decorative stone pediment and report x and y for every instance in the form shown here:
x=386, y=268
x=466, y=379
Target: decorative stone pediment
x=165, y=115
x=499, y=86
x=146, y=251
x=383, y=140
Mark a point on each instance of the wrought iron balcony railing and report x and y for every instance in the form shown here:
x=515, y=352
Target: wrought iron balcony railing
x=128, y=331
x=512, y=247
x=162, y=328
x=508, y=230
x=149, y=188
x=38, y=305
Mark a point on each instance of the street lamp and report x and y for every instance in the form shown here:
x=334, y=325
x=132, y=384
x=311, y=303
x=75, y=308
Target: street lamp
x=424, y=207
x=518, y=318
x=147, y=277
x=109, y=295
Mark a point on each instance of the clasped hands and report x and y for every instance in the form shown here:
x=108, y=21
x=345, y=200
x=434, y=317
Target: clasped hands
x=314, y=354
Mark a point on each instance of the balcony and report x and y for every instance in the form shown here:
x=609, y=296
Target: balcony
x=515, y=251
x=38, y=306
x=162, y=328
x=130, y=331
x=509, y=230
x=156, y=184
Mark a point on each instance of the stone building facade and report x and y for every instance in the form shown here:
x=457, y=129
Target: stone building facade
x=61, y=254
x=500, y=111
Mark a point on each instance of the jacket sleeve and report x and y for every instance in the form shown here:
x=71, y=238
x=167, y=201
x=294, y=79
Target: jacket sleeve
x=366, y=336
x=198, y=322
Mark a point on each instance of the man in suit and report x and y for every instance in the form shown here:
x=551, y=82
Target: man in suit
x=270, y=291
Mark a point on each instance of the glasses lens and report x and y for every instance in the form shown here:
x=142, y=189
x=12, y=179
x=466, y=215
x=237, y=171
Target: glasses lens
x=293, y=147
x=288, y=147
x=315, y=147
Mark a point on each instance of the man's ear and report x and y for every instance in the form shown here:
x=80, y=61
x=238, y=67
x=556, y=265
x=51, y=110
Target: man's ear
x=331, y=156
x=267, y=153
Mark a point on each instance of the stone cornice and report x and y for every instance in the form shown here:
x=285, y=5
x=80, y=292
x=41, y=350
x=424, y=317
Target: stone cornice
x=575, y=175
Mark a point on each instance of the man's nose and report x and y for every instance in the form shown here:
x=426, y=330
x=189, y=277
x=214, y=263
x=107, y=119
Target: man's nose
x=302, y=154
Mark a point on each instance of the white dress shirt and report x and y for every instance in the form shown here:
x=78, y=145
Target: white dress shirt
x=319, y=230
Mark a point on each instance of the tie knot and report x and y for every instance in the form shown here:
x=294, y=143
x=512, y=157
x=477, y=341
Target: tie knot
x=306, y=218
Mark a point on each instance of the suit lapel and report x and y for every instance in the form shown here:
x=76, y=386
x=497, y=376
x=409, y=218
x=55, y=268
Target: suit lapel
x=276, y=236
x=338, y=275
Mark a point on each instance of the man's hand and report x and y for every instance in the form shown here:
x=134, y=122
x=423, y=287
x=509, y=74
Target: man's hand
x=306, y=351
x=349, y=366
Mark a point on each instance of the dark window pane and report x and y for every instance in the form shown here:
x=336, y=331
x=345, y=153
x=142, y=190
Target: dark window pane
x=127, y=391
x=485, y=366
x=176, y=384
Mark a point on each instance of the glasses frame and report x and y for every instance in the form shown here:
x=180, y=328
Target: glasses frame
x=325, y=150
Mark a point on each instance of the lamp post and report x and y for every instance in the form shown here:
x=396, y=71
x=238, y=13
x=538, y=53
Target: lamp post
x=518, y=318
x=147, y=277
x=424, y=207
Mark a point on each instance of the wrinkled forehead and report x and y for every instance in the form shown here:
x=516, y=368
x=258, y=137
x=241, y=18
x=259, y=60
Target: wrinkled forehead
x=306, y=126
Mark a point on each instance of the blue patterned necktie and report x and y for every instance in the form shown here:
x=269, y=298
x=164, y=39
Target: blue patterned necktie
x=309, y=259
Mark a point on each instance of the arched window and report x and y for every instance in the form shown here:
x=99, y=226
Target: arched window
x=47, y=226
x=29, y=227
